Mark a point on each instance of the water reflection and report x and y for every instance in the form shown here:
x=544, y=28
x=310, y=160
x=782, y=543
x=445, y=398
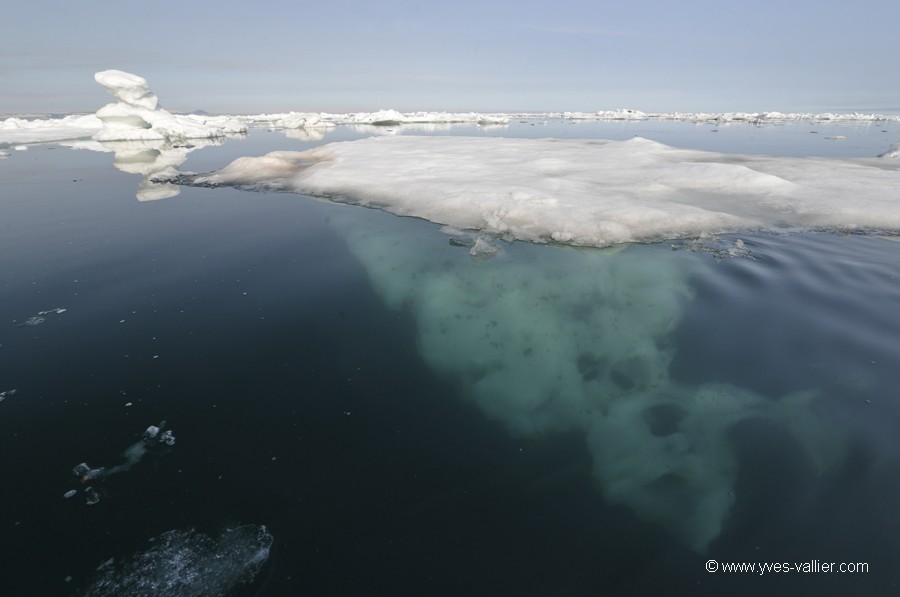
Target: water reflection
x=154, y=160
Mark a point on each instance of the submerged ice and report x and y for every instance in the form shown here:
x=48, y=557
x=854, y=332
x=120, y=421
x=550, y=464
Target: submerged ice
x=565, y=340
x=583, y=192
x=187, y=564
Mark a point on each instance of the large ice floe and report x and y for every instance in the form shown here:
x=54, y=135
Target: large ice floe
x=582, y=192
x=137, y=115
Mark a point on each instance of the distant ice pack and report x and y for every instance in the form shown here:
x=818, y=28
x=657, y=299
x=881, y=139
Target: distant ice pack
x=582, y=192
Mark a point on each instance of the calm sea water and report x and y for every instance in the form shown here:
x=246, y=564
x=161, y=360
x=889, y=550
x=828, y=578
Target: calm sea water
x=310, y=387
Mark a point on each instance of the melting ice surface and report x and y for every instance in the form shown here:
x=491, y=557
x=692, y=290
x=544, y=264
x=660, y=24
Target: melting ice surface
x=583, y=192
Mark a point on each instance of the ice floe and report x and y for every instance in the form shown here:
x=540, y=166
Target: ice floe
x=582, y=192
x=187, y=564
x=37, y=130
x=137, y=116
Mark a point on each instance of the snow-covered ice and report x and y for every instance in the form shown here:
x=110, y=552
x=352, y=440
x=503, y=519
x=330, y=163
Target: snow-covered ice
x=137, y=116
x=21, y=130
x=582, y=192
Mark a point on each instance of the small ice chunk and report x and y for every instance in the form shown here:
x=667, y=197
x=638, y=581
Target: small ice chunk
x=84, y=472
x=91, y=496
x=151, y=433
x=167, y=438
x=34, y=321
x=70, y=493
x=56, y=310
x=81, y=470
x=483, y=248
x=7, y=394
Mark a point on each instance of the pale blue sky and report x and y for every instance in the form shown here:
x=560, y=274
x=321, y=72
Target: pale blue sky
x=338, y=55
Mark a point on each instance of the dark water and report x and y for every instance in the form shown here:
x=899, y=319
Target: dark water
x=299, y=399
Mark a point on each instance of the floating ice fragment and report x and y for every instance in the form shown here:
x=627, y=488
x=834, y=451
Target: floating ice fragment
x=70, y=493
x=91, y=496
x=187, y=563
x=7, y=393
x=85, y=473
x=483, y=248
x=39, y=318
x=715, y=246
x=152, y=436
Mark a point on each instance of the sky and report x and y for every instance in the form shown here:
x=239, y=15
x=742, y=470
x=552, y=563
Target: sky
x=339, y=56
